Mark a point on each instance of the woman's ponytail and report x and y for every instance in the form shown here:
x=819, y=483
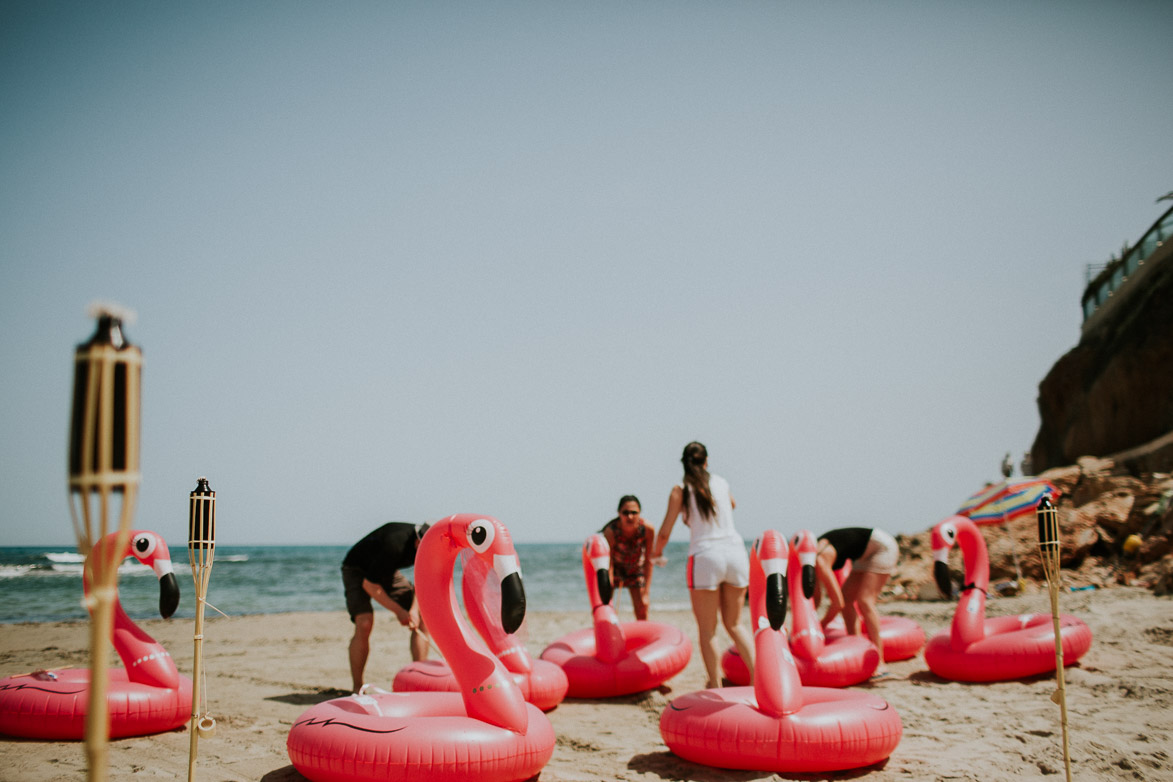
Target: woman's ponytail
x=696, y=478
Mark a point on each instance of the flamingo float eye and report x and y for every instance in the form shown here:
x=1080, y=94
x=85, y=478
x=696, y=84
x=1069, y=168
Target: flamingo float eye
x=144, y=545
x=949, y=533
x=480, y=535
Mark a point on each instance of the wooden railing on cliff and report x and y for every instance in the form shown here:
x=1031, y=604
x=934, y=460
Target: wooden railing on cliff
x=1108, y=283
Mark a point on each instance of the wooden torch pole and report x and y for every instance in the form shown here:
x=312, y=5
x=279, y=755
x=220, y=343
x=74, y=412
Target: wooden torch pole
x=103, y=467
x=201, y=542
x=1048, y=520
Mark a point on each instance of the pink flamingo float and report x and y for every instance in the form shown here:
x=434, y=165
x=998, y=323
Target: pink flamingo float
x=542, y=683
x=611, y=658
x=486, y=731
x=147, y=695
x=822, y=661
x=779, y=725
x=976, y=649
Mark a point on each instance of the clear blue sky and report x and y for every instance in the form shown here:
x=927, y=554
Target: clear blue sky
x=399, y=260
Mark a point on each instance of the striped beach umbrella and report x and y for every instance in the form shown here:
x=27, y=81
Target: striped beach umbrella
x=1006, y=500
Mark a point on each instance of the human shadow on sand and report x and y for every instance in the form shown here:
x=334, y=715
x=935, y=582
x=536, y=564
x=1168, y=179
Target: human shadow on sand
x=928, y=677
x=668, y=766
x=310, y=698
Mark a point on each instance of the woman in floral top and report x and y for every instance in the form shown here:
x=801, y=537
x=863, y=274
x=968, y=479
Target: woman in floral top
x=631, y=539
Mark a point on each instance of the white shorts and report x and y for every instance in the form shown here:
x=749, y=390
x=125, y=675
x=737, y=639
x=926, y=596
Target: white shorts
x=716, y=565
x=880, y=556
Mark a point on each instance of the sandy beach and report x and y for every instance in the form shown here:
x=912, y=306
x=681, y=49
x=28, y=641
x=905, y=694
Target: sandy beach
x=263, y=671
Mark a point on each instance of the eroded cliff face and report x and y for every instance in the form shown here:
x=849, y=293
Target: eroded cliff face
x=1100, y=505
x=1106, y=443
x=1114, y=390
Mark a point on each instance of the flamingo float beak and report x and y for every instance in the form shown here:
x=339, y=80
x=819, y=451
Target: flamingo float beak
x=776, y=599
x=943, y=579
x=512, y=602
x=168, y=586
x=808, y=581
x=512, y=591
x=603, y=579
x=168, y=595
x=804, y=546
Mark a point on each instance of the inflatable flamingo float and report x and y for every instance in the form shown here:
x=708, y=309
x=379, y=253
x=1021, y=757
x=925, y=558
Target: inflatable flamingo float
x=778, y=725
x=486, y=731
x=822, y=661
x=976, y=649
x=612, y=658
x=148, y=695
x=541, y=682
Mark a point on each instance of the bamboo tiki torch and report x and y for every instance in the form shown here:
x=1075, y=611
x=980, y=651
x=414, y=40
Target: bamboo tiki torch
x=201, y=547
x=1048, y=519
x=103, y=484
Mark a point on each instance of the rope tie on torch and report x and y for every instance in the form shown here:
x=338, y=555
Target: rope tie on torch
x=206, y=724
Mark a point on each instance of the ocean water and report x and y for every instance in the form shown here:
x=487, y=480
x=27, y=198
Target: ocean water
x=44, y=583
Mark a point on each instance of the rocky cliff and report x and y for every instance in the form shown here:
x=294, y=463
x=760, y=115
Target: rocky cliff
x=1106, y=442
x=1101, y=505
x=1114, y=390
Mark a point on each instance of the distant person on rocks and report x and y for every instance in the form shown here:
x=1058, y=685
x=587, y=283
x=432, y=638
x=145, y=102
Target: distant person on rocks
x=631, y=540
x=718, y=564
x=1025, y=465
x=1007, y=465
x=873, y=554
x=371, y=570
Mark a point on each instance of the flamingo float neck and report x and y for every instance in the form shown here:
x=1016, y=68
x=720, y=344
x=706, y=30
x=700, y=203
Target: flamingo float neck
x=478, y=594
x=809, y=640
x=610, y=643
x=776, y=685
x=144, y=658
x=969, y=617
x=487, y=689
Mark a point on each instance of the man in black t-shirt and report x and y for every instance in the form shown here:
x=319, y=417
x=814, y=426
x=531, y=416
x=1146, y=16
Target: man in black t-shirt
x=371, y=570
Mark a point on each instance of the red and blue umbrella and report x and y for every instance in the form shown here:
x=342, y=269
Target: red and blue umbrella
x=1006, y=500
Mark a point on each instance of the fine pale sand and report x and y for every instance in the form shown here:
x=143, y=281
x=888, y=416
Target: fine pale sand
x=263, y=671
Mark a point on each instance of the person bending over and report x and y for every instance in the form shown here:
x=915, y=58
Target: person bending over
x=631, y=540
x=371, y=570
x=873, y=554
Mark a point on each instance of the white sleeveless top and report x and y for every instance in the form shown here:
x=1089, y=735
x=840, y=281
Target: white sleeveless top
x=718, y=529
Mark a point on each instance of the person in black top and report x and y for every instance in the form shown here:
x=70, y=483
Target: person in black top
x=371, y=570
x=873, y=554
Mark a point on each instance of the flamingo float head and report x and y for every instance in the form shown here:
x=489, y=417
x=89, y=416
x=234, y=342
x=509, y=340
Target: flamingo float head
x=490, y=540
x=944, y=536
x=151, y=550
x=807, y=549
x=596, y=563
x=771, y=555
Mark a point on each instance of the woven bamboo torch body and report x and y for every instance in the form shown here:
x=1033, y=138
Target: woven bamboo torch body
x=201, y=547
x=1049, y=545
x=103, y=484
